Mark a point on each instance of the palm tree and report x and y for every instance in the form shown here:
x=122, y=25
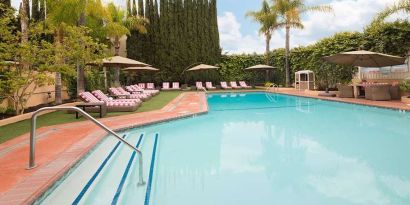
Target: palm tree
x=290, y=11
x=61, y=13
x=268, y=20
x=401, y=6
x=119, y=25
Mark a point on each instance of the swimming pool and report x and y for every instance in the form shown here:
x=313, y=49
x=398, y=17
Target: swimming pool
x=253, y=148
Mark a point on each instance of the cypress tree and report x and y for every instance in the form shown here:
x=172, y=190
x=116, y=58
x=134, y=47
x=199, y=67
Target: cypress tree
x=42, y=10
x=141, y=8
x=134, y=8
x=6, y=2
x=180, y=33
x=35, y=13
x=129, y=8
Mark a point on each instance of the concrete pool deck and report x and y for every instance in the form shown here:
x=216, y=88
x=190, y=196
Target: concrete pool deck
x=59, y=147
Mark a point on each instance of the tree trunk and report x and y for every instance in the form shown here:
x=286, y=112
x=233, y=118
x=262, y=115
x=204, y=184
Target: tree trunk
x=287, y=51
x=105, y=78
x=268, y=38
x=58, y=86
x=80, y=70
x=117, y=69
x=24, y=21
x=80, y=79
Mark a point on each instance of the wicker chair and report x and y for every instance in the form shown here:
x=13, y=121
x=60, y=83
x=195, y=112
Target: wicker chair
x=345, y=91
x=379, y=92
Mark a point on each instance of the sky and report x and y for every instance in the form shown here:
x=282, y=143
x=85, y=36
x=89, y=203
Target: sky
x=239, y=34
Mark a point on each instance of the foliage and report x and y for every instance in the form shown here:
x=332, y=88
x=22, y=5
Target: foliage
x=180, y=33
x=388, y=37
x=401, y=5
x=19, y=81
x=267, y=17
x=391, y=38
x=405, y=86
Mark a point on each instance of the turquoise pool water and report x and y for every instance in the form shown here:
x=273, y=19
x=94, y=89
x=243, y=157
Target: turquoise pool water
x=262, y=149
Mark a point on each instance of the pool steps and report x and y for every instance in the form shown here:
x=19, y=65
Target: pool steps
x=125, y=184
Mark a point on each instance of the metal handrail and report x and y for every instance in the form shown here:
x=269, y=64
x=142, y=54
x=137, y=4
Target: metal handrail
x=275, y=87
x=32, y=163
x=204, y=89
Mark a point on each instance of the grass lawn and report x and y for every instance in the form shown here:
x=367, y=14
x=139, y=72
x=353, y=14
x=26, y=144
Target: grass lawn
x=10, y=131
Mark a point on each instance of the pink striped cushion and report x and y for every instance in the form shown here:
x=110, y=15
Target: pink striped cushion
x=100, y=95
x=175, y=85
x=88, y=97
x=120, y=104
x=150, y=85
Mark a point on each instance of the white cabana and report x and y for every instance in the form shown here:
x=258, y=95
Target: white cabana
x=305, y=80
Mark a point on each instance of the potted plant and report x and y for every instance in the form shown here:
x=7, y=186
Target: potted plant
x=405, y=89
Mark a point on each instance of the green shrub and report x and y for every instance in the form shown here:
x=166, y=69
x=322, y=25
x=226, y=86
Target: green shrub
x=405, y=86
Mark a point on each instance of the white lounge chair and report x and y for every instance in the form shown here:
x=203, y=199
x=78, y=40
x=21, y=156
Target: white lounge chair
x=165, y=86
x=234, y=85
x=225, y=86
x=209, y=86
x=199, y=85
x=244, y=85
x=175, y=86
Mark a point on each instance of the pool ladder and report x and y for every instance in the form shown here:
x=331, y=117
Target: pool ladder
x=268, y=93
x=204, y=89
x=32, y=162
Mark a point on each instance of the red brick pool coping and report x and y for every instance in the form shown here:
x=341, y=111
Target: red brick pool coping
x=60, y=147
x=393, y=104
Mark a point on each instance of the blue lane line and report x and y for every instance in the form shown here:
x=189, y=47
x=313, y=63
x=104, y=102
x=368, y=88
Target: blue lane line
x=100, y=168
x=151, y=172
x=125, y=174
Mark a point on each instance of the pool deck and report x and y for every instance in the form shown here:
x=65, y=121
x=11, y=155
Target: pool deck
x=59, y=147
x=393, y=104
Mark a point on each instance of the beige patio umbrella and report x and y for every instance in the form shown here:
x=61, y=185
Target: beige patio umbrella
x=136, y=69
x=148, y=68
x=117, y=62
x=364, y=58
x=202, y=67
x=261, y=67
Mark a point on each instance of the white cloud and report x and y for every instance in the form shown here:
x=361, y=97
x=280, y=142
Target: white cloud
x=233, y=41
x=348, y=15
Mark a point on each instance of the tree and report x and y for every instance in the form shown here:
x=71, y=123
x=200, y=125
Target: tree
x=289, y=12
x=119, y=25
x=19, y=80
x=401, y=6
x=6, y=2
x=268, y=20
x=62, y=13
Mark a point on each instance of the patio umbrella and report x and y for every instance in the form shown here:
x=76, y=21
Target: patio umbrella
x=136, y=69
x=261, y=68
x=117, y=62
x=202, y=67
x=364, y=58
x=148, y=68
